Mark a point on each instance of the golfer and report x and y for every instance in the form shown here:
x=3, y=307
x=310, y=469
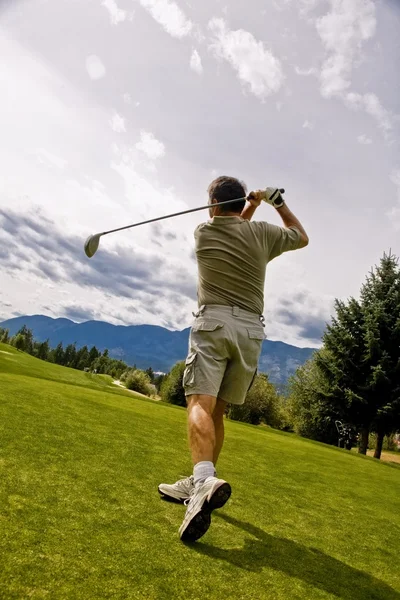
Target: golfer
x=227, y=333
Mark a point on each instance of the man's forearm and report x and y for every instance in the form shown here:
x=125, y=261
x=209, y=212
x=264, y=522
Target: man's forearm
x=289, y=220
x=248, y=211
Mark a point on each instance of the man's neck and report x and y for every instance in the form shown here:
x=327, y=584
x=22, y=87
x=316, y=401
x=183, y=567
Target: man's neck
x=226, y=214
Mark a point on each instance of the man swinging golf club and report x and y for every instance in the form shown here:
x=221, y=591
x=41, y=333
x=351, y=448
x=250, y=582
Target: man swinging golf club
x=227, y=333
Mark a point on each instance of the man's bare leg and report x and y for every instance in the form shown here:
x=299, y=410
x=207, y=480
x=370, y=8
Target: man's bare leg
x=201, y=428
x=218, y=418
x=209, y=492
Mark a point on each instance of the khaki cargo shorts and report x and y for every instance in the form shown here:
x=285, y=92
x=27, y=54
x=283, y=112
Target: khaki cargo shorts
x=224, y=348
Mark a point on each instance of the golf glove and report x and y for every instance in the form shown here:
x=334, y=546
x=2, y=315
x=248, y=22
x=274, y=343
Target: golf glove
x=270, y=195
x=273, y=197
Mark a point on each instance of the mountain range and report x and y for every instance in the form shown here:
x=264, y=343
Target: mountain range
x=148, y=345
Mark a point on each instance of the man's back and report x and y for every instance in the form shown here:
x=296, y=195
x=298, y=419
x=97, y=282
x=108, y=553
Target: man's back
x=232, y=254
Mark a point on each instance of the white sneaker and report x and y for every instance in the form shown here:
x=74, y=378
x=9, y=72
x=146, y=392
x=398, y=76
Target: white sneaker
x=206, y=497
x=179, y=491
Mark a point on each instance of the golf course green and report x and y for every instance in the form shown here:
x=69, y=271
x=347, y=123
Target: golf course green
x=81, y=518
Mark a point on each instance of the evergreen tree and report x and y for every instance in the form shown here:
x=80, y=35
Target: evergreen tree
x=70, y=356
x=43, y=350
x=309, y=412
x=82, y=358
x=150, y=373
x=93, y=354
x=362, y=362
x=59, y=355
x=381, y=298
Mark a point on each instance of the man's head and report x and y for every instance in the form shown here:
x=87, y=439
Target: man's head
x=226, y=188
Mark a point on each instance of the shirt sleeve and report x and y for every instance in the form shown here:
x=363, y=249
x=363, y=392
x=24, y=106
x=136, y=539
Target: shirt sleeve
x=281, y=239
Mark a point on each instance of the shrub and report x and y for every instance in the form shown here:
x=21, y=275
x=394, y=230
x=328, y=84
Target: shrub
x=171, y=388
x=262, y=404
x=138, y=381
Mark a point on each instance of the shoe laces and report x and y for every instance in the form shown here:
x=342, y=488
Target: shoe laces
x=186, y=483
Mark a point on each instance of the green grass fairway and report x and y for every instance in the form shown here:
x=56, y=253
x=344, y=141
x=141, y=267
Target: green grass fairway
x=80, y=516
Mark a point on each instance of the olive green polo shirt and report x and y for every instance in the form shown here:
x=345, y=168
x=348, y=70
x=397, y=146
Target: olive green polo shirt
x=232, y=255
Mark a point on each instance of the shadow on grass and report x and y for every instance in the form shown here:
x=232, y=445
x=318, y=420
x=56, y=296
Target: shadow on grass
x=308, y=564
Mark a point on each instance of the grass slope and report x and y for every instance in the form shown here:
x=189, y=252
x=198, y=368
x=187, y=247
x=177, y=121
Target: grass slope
x=80, y=517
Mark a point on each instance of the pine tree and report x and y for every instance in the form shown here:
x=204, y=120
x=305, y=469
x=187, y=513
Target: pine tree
x=362, y=362
x=42, y=350
x=93, y=354
x=381, y=299
x=82, y=358
x=70, y=356
x=150, y=373
x=59, y=355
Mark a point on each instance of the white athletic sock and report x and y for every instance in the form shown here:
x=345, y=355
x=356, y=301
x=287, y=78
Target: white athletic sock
x=202, y=470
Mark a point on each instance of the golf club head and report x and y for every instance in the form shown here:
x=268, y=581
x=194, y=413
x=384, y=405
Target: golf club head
x=92, y=244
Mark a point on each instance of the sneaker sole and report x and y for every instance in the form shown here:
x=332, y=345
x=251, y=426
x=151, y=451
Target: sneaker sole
x=201, y=522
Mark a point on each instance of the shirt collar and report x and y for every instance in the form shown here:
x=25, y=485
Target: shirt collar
x=226, y=220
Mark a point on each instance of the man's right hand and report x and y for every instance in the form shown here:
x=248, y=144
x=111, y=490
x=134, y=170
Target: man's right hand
x=273, y=197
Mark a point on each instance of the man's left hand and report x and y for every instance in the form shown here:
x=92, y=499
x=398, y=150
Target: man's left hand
x=255, y=198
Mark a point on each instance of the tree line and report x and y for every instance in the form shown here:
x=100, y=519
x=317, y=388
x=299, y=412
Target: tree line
x=84, y=359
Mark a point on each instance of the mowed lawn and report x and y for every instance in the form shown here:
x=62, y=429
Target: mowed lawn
x=80, y=515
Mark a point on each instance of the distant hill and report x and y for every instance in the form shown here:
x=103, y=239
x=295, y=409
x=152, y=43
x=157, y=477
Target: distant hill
x=149, y=345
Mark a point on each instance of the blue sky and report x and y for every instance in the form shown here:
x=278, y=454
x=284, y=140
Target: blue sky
x=121, y=110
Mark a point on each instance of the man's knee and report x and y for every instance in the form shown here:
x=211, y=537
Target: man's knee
x=219, y=410
x=206, y=403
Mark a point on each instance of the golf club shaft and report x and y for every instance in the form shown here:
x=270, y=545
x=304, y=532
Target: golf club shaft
x=183, y=212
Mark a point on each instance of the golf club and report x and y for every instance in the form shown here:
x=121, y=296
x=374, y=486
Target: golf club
x=93, y=241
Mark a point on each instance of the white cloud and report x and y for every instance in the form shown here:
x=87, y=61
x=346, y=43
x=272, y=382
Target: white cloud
x=257, y=68
x=118, y=123
x=195, y=62
x=169, y=16
x=94, y=67
x=306, y=72
x=117, y=15
x=150, y=146
x=308, y=125
x=127, y=98
x=372, y=106
x=363, y=139
x=342, y=31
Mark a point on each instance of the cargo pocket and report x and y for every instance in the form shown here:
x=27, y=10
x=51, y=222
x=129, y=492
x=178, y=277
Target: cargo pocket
x=188, y=373
x=256, y=334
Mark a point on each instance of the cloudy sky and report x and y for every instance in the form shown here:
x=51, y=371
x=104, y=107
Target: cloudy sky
x=114, y=111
